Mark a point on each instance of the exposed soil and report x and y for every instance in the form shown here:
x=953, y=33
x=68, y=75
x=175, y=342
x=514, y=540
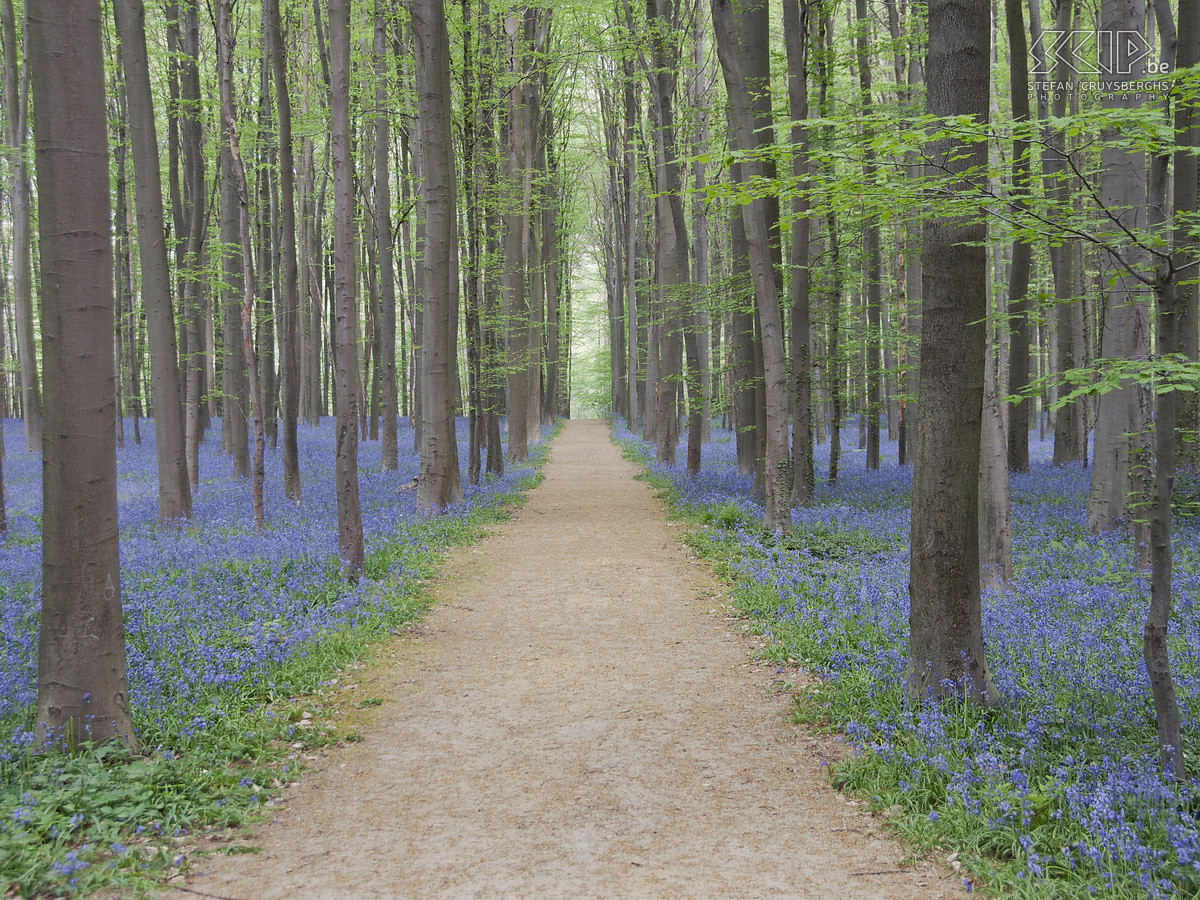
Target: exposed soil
x=575, y=719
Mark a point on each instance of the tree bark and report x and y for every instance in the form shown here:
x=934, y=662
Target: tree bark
x=16, y=104
x=672, y=241
x=350, y=529
x=289, y=288
x=240, y=197
x=871, y=244
x=777, y=513
x=795, y=32
x=439, y=482
x=386, y=249
x=174, y=493
x=517, y=178
x=1022, y=251
x=1120, y=423
x=946, y=653
x=82, y=690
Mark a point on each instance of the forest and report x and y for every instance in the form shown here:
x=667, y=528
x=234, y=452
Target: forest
x=893, y=302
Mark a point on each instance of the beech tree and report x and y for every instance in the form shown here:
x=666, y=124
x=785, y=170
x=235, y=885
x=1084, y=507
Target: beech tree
x=439, y=482
x=350, y=529
x=946, y=641
x=174, y=493
x=82, y=693
x=289, y=287
x=754, y=219
x=16, y=107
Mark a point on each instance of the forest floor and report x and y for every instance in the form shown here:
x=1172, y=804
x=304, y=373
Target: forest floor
x=576, y=717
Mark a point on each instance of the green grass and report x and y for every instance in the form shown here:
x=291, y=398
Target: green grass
x=103, y=818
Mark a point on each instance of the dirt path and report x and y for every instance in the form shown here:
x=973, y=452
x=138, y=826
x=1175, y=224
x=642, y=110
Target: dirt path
x=572, y=722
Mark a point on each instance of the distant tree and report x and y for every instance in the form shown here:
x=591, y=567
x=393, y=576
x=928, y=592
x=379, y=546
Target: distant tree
x=82, y=692
x=289, y=290
x=385, y=251
x=16, y=105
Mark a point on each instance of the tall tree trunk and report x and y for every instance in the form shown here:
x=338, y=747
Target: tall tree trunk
x=1120, y=423
x=16, y=104
x=386, y=250
x=1022, y=251
x=350, y=529
x=186, y=30
x=795, y=31
x=439, y=482
x=777, y=514
x=632, y=114
x=174, y=493
x=289, y=288
x=517, y=178
x=871, y=244
x=82, y=689
x=1067, y=421
x=946, y=630
x=1173, y=316
x=673, y=274
x=241, y=198
x=234, y=381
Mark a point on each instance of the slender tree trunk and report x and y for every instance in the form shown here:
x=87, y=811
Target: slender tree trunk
x=516, y=287
x=387, y=260
x=183, y=41
x=871, y=246
x=234, y=380
x=632, y=114
x=174, y=494
x=795, y=31
x=350, y=529
x=1022, y=251
x=673, y=275
x=16, y=104
x=1179, y=50
x=289, y=288
x=240, y=196
x=1120, y=423
x=82, y=689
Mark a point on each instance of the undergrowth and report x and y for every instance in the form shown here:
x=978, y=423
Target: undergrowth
x=104, y=818
x=1031, y=800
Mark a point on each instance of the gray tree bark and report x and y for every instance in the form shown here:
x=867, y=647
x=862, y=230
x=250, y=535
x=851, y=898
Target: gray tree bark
x=241, y=199
x=1126, y=329
x=82, y=690
x=946, y=650
x=795, y=32
x=174, y=493
x=289, y=287
x=350, y=530
x=439, y=482
x=16, y=105
x=386, y=249
x=777, y=514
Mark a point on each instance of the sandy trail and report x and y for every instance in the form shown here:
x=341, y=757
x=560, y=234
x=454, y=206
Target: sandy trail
x=572, y=722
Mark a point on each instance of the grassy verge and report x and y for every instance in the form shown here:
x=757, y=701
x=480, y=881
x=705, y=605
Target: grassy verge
x=1011, y=841
x=104, y=819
